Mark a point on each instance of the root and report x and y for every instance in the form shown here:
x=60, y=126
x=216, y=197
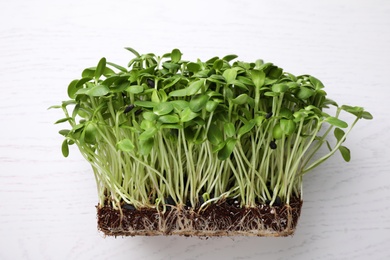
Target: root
x=219, y=219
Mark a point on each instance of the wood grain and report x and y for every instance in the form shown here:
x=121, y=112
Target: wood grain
x=47, y=202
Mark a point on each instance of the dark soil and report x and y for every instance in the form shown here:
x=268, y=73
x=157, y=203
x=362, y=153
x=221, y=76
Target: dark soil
x=224, y=218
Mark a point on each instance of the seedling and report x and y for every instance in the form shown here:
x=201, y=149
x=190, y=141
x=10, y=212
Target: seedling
x=174, y=139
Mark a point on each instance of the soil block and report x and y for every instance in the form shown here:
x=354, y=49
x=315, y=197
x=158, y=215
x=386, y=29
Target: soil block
x=223, y=218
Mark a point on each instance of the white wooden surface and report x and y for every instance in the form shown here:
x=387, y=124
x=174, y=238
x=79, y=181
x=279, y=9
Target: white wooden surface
x=47, y=202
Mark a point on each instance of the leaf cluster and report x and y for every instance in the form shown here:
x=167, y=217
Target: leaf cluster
x=254, y=121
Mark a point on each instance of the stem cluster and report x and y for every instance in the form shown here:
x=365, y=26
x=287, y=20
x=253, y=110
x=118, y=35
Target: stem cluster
x=167, y=131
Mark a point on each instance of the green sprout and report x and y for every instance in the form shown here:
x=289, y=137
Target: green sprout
x=167, y=131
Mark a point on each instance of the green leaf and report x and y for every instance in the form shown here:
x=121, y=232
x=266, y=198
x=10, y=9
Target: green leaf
x=259, y=120
x=88, y=72
x=229, y=129
x=72, y=89
x=336, y=122
x=63, y=120
x=315, y=109
x=274, y=72
x=215, y=135
x=150, y=116
x=90, y=133
x=54, y=107
x=169, y=119
x=163, y=108
x=288, y=126
x=339, y=134
x=218, y=64
x=133, y=75
x=277, y=132
x=100, y=68
x=229, y=57
x=171, y=66
x=245, y=80
x=239, y=84
x=258, y=78
x=187, y=115
x=216, y=79
x=65, y=148
x=241, y=99
x=172, y=126
x=330, y=102
x=228, y=93
x=198, y=102
x=229, y=75
x=148, y=133
x=317, y=84
x=77, y=127
x=357, y=111
x=135, y=89
x=211, y=106
x=126, y=145
x=304, y=93
x=285, y=113
x=155, y=98
x=98, y=91
x=107, y=72
x=147, y=104
x=271, y=94
x=64, y=132
x=279, y=88
x=117, y=66
x=115, y=80
x=172, y=81
x=146, y=146
x=227, y=150
x=246, y=128
x=133, y=51
x=217, y=148
x=146, y=124
x=163, y=96
x=194, y=87
x=300, y=115
x=193, y=67
x=345, y=152
x=178, y=93
x=179, y=105
x=176, y=55
x=367, y=115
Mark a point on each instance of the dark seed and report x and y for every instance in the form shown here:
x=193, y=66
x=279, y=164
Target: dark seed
x=169, y=200
x=200, y=200
x=268, y=115
x=188, y=204
x=150, y=83
x=139, y=111
x=128, y=108
x=128, y=207
x=272, y=145
x=278, y=201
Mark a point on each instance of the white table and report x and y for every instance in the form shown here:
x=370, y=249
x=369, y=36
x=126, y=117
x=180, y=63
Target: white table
x=47, y=202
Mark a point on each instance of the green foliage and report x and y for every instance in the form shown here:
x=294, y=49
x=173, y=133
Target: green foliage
x=168, y=127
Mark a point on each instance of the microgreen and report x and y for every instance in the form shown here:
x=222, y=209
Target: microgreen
x=200, y=131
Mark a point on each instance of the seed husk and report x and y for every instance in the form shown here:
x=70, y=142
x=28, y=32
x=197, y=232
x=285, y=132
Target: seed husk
x=268, y=115
x=273, y=145
x=150, y=83
x=128, y=108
